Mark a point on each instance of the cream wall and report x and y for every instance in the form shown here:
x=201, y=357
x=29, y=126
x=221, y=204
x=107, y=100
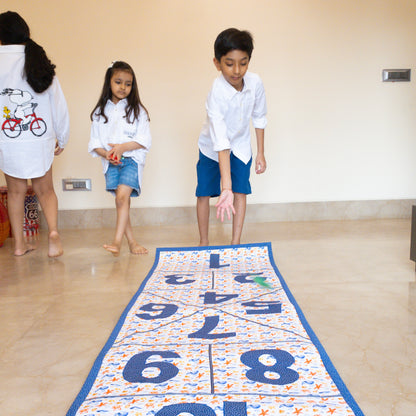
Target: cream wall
x=335, y=131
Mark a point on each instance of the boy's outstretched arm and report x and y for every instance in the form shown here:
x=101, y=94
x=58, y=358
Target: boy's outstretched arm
x=226, y=199
x=260, y=159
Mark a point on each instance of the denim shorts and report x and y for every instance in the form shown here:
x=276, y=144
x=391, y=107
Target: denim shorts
x=209, y=177
x=126, y=173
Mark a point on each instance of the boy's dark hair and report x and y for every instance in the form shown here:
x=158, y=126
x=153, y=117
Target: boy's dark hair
x=133, y=99
x=232, y=39
x=39, y=70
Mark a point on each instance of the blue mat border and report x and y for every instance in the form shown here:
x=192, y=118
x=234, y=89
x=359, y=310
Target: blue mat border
x=324, y=356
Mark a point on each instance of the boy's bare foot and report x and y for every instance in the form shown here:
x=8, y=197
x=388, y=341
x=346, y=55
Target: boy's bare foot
x=203, y=243
x=136, y=248
x=113, y=249
x=55, y=245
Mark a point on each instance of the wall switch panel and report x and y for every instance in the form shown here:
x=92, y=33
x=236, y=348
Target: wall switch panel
x=76, y=184
x=396, y=75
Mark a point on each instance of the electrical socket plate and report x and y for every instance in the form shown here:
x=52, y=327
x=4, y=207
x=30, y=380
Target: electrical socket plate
x=76, y=184
x=396, y=75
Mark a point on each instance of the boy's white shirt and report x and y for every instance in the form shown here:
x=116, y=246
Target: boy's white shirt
x=229, y=112
x=27, y=155
x=117, y=130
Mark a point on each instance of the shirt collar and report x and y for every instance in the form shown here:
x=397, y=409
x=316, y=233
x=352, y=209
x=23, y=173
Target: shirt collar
x=121, y=103
x=230, y=90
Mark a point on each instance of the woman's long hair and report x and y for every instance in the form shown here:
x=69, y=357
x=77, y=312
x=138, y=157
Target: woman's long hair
x=39, y=70
x=133, y=99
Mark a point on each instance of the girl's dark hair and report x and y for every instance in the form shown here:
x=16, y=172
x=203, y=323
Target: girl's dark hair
x=133, y=99
x=39, y=70
x=232, y=39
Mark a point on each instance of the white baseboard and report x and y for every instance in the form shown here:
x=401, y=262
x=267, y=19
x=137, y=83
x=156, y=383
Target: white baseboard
x=299, y=211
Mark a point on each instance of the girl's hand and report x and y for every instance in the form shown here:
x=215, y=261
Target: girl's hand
x=113, y=161
x=260, y=164
x=114, y=155
x=111, y=158
x=225, y=203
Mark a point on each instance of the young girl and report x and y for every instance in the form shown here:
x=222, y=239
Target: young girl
x=34, y=127
x=120, y=135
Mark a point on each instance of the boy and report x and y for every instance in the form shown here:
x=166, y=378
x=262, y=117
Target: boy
x=224, y=144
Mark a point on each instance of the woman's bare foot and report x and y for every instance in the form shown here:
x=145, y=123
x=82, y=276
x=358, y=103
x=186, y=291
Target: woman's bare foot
x=113, y=249
x=136, y=248
x=55, y=245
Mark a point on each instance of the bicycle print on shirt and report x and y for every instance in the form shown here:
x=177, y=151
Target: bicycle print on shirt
x=24, y=116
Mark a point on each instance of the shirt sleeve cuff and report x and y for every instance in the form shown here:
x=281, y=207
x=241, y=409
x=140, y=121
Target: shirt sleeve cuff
x=259, y=123
x=93, y=144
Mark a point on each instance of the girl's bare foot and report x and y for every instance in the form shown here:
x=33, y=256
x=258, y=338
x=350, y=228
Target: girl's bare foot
x=22, y=251
x=203, y=243
x=136, y=248
x=113, y=249
x=55, y=245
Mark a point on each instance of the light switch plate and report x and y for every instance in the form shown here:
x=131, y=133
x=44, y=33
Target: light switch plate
x=76, y=184
x=396, y=75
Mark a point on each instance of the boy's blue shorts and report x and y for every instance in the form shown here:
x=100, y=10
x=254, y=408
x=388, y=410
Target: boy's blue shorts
x=209, y=177
x=126, y=173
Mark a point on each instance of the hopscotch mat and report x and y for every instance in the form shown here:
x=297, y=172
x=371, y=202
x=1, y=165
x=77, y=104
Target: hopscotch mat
x=202, y=338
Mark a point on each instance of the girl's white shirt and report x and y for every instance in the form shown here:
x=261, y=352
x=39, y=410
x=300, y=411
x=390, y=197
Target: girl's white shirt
x=117, y=130
x=27, y=155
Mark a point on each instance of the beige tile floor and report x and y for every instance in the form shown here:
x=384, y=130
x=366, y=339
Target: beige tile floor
x=353, y=280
